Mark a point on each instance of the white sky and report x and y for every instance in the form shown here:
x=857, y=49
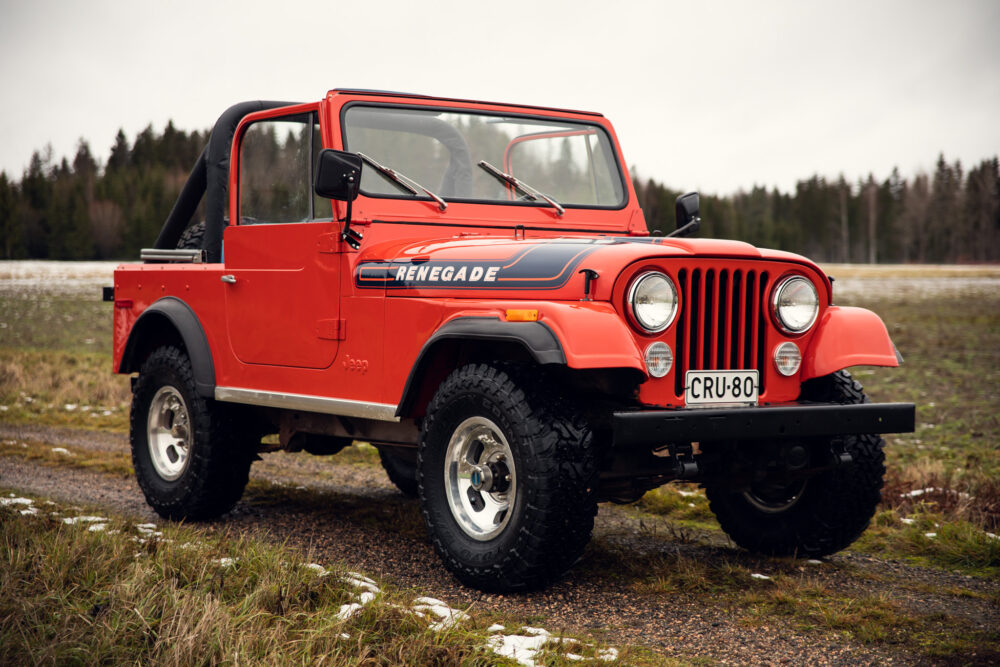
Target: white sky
x=713, y=96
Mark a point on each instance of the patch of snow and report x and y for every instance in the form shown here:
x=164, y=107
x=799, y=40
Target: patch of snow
x=521, y=648
x=687, y=494
x=930, y=535
x=70, y=407
x=607, y=654
x=226, y=561
x=318, y=569
x=61, y=450
x=4, y=408
x=992, y=536
x=916, y=493
x=496, y=627
x=98, y=527
x=148, y=529
x=29, y=511
x=448, y=616
x=4, y=502
x=73, y=520
x=908, y=521
x=348, y=610
x=813, y=561
x=362, y=582
x=757, y=575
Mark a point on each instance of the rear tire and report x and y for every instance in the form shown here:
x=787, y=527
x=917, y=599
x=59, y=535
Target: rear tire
x=401, y=471
x=818, y=516
x=508, y=479
x=185, y=449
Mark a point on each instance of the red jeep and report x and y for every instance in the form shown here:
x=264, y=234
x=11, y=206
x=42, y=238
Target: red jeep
x=471, y=288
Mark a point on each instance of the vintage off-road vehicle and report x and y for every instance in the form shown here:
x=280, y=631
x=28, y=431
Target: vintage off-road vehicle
x=471, y=288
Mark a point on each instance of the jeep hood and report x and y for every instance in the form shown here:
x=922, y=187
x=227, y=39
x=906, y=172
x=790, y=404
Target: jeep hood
x=532, y=268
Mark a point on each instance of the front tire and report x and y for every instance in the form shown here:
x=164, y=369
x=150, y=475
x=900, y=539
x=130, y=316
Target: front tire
x=185, y=450
x=508, y=479
x=814, y=517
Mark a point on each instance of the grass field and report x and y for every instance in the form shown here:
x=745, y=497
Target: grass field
x=941, y=504
x=55, y=369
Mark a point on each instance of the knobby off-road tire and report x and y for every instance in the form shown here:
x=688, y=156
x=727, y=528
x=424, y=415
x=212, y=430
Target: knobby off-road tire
x=823, y=515
x=401, y=471
x=540, y=457
x=192, y=237
x=186, y=451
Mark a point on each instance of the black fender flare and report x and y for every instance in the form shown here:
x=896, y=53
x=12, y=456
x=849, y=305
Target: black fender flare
x=536, y=338
x=172, y=312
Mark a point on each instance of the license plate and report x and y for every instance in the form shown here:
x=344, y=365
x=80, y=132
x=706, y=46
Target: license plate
x=715, y=388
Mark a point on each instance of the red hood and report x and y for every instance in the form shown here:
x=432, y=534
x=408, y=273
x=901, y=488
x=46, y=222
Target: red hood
x=521, y=268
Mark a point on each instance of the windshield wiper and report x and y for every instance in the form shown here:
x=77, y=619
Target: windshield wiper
x=404, y=183
x=529, y=191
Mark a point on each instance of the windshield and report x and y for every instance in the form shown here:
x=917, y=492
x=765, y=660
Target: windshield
x=572, y=163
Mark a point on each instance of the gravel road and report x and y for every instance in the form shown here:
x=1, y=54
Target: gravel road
x=351, y=514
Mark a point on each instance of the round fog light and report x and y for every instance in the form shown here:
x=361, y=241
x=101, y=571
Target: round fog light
x=787, y=358
x=659, y=359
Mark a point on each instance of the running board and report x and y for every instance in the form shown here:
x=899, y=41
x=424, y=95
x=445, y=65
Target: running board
x=305, y=403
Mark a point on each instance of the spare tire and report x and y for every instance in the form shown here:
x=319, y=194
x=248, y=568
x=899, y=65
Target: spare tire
x=193, y=237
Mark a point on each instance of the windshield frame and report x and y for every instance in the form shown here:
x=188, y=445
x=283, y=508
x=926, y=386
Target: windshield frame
x=551, y=118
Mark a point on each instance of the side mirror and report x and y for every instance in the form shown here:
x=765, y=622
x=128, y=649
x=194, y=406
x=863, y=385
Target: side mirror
x=338, y=175
x=687, y=208
x=688, y=220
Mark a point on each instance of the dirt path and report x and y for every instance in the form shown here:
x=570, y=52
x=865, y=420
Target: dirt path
x=350, y=513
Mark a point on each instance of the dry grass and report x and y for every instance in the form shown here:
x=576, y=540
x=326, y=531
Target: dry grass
x=119, y=596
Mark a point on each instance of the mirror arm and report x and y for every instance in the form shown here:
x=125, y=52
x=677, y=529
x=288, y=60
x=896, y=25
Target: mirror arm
x=687, y=230
x=350, y=237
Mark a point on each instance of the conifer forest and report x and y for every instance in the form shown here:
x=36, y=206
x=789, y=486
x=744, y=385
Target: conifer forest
x=89, y=208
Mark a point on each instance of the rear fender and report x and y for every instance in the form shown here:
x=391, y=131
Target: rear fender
x=164, y=322
x=848, y=337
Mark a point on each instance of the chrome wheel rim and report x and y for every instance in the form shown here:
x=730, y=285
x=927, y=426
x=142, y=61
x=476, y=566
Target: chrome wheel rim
x=168, y=433
x=480, y=478
x=775, y=499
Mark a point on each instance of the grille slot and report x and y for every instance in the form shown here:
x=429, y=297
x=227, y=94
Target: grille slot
x=721, y=325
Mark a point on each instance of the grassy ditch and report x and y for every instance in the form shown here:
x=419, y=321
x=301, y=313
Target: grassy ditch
x=77, y=587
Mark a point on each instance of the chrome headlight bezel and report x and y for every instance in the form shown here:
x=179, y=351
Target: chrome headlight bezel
x=793, y=281
x=647, y=324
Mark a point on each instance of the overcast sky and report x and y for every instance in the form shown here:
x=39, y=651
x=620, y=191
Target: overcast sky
x=713, y=96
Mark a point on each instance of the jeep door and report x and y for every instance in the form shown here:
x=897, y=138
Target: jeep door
x=282, y=261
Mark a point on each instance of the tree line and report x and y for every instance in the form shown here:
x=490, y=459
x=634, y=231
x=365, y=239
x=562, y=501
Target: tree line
x=83, y=209
x=950, y=216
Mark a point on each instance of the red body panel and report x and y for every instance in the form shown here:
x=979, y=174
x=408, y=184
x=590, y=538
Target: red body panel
x=848, y=337
x=309, y=315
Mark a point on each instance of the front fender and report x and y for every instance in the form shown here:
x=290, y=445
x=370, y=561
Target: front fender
x=848, y=337
x=593, y=335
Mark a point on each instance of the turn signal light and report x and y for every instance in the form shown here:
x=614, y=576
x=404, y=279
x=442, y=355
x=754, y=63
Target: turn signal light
x=522, y=315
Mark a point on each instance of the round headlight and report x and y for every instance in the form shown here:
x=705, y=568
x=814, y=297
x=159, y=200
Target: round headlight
x=796, y=304
x=653, y=300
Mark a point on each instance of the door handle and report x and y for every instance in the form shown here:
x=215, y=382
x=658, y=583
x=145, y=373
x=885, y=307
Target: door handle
x=228, y=278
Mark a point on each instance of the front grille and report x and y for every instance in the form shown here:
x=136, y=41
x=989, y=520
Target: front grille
x=721, y=325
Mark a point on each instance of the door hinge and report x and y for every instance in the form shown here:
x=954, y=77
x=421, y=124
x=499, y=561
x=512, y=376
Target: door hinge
x=328, y=242
x=331, y=329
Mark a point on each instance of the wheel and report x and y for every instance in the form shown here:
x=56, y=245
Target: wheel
x=507, y=479
x=192, y=237
x=817, y=516
x=402, y=471
x=185, y=450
